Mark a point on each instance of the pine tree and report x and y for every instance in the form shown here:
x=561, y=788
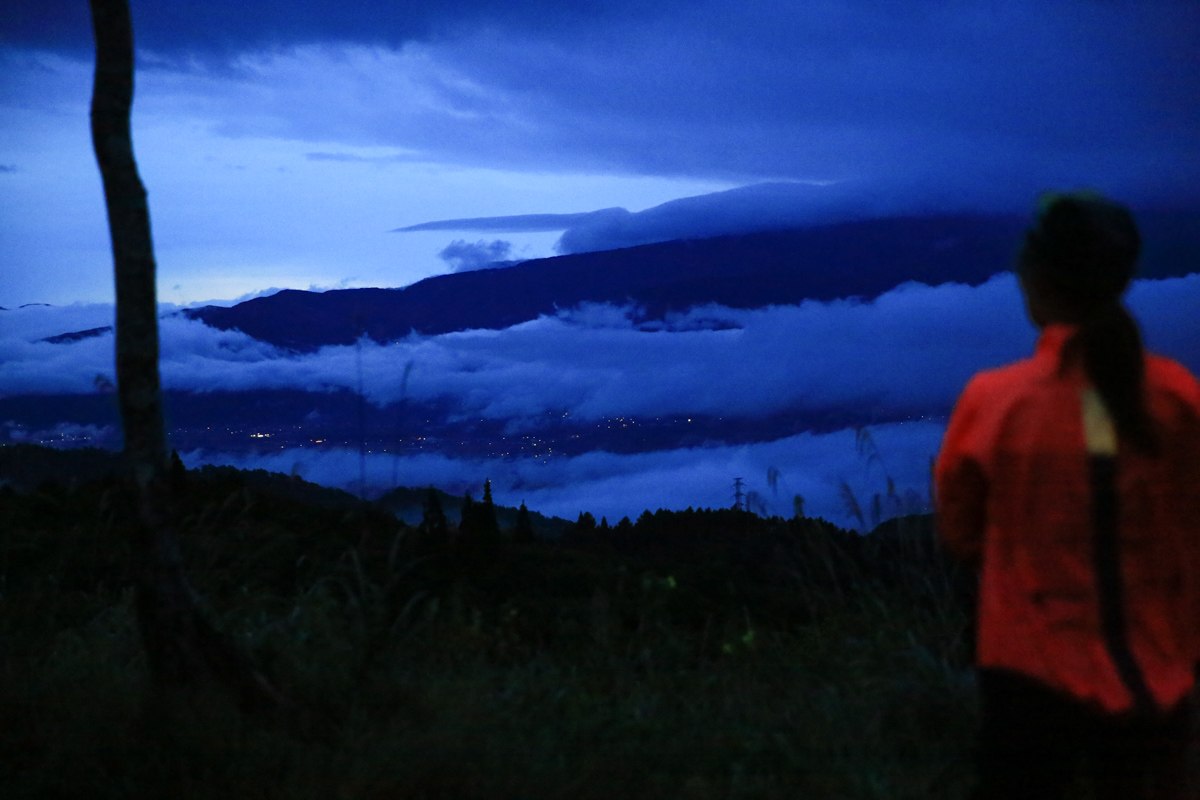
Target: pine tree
x=434, y=531
x=479, y=532
x=489, y=528
x=466, y=521
x=523, y=532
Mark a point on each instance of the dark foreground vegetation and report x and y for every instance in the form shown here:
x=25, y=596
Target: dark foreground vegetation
x=696, y=654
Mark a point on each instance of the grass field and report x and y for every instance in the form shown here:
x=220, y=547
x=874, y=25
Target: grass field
x=699, y=654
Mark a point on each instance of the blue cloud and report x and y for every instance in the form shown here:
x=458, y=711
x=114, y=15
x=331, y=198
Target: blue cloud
x=520, y=223
x=464, y=256
x=906, y=354
x=961, y=100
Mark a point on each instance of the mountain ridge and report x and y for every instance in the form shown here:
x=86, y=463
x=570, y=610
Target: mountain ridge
x=740, y=271
x=849, y=259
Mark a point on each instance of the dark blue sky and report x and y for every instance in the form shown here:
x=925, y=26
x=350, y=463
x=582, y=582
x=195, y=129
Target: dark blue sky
x=280, y=142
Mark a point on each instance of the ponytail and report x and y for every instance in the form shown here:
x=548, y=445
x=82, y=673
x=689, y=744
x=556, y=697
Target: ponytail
x=1114, y=362
x=1086, y=248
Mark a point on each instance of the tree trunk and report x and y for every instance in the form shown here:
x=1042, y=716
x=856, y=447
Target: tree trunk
x=182, y=647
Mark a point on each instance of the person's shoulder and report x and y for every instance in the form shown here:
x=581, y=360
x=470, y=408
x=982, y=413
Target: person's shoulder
x=1007, y=378
x=1167, y=373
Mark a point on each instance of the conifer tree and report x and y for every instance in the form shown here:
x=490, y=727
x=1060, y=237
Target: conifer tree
x=466, y=521
x=434, y=530
x=478, y=531
x=489, y=528
x=523, y=532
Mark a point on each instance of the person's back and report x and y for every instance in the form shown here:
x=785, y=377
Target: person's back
x=1072, y=480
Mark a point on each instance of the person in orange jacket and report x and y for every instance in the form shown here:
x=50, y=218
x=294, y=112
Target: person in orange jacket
x=1071, y=482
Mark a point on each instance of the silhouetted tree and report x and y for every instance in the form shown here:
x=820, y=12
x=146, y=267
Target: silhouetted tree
x=182, y=647
x=479, y=530
x=488, y=526
x=466, y=520
x=433, y=531
x=523, y=531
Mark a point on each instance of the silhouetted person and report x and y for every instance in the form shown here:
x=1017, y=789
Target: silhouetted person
x=1071, y=480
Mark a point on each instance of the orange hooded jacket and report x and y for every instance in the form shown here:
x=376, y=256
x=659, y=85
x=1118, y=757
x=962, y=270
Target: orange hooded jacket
x=1015, y=499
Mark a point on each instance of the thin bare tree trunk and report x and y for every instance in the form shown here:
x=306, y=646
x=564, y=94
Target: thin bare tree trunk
x=182, y=647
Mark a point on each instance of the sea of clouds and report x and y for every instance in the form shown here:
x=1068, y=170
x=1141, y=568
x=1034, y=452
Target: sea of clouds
x=904, y=356
x=612, y=485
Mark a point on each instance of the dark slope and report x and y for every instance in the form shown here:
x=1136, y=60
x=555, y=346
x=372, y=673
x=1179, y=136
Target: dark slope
x=749, y=271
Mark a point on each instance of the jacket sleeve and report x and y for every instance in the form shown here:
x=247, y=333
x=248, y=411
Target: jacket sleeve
x=960, y=481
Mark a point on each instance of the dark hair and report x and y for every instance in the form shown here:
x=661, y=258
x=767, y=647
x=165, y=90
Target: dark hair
x=1085, y=249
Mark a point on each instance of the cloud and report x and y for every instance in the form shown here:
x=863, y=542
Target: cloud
x=357, y=158
x=967, y=100
x=905, y=355
x=746, y=209
x=435, y=112
x=610, y=485
x=220, y=28
x=462, y=256
x=514, y=224
x=65, y=435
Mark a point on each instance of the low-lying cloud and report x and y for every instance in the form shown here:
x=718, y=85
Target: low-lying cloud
x=813, y=466
x=905, y=355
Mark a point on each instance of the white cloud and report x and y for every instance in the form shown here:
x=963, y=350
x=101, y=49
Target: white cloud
x=906, y=354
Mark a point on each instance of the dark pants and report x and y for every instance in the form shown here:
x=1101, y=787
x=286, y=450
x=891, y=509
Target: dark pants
x=1033, y=741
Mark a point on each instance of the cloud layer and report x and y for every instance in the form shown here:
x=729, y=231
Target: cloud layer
x=963, y=97
x=906, y=354
x=614, y=486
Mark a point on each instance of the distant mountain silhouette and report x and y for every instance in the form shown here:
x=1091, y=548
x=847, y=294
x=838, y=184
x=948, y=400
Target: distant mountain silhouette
x=850, y=259
x=76, y=336
x=748, y=271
